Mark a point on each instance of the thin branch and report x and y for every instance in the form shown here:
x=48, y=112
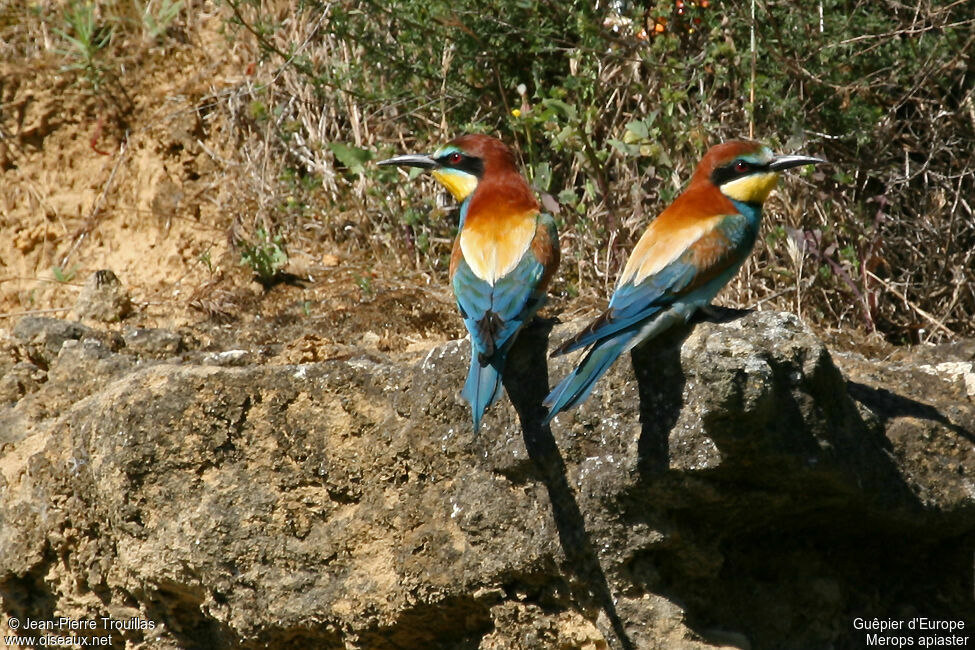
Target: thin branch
x=89, y=222
x=34, y=312
x=910, y=304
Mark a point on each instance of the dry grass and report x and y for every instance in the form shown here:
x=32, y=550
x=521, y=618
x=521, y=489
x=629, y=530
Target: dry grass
x=881, y=240
x=867, y=243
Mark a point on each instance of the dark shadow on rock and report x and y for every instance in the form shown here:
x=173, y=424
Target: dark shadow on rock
x=290, y=279
x=526, y=382
x=800, y=584
x=29, y=596
x=660, y=381
x=181, y=612
x=887, y=405
x=458, y=623
x=801, y=518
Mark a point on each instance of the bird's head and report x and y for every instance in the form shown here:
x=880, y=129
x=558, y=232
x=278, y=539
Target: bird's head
x=461, y=163
x=745, y=171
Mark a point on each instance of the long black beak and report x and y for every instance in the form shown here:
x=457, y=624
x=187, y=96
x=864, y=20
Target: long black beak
x=411, y=160
x=780, y=163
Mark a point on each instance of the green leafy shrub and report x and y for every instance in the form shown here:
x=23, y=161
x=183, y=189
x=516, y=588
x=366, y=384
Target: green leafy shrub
x=266, y=256
x=611, y=107
x=86, y=38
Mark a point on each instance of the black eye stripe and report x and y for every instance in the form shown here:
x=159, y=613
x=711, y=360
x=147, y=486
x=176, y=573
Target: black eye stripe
x=462, y=162
x=737, y=168
x=452, y=159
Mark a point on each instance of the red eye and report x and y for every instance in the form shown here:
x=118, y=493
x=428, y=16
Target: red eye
x=454, y=158
x=741, y=166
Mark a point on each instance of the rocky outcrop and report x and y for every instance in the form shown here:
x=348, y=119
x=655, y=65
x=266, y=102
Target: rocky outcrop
x=736, y=485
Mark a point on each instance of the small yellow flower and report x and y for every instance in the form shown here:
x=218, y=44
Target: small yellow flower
x=516, y=112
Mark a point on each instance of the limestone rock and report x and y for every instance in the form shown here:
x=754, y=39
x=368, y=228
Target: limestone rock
x=42, y=337
x=103, y=298
x=20, y=379
x=153, y=342
x=737, y=490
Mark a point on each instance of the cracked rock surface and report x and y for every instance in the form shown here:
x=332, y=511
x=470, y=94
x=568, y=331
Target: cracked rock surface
x=733, y=485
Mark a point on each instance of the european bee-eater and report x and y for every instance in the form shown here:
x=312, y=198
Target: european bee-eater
x=504, y=256
x=687, y=254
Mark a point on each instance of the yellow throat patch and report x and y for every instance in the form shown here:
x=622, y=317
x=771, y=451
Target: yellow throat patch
x=751, y=189
x=458, y=183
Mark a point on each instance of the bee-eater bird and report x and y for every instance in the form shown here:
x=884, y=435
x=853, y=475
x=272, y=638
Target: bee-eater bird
x=687, y=254
x=503, y=258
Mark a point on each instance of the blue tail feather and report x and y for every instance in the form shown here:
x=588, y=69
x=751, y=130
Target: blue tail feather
x=483, y=386
x=579, y=383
